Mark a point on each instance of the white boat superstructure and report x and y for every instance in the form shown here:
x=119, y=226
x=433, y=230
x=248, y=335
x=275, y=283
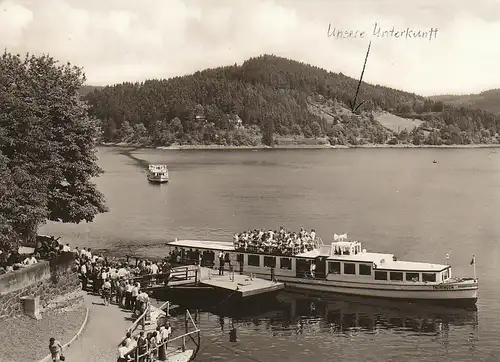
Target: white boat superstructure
x=340, y=267
x=157, y=173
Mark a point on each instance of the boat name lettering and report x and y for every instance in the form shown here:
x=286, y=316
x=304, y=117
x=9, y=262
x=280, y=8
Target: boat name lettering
x=445, y=287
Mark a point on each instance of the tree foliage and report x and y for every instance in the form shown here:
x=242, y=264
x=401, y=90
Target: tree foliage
x=47, y=147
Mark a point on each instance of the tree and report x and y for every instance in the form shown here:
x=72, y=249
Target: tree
x=126, y=132
x=296, y=130
x=109, y=130
x=140, y=133
x=316, y=129
x=176, y=126
x=48, y=145
x=267, y=132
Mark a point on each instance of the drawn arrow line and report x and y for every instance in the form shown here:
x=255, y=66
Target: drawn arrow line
x=353, y=104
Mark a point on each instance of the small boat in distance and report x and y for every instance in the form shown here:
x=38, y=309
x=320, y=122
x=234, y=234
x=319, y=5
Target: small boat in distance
x=158, y=173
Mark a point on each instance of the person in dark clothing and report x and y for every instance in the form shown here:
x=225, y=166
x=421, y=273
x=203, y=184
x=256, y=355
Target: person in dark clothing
x=142, y=346
x=222, y=261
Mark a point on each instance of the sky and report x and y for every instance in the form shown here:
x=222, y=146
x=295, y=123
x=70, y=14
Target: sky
x=133, y=40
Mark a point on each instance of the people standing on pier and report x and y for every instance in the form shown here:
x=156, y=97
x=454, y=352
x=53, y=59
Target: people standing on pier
x=222, y=261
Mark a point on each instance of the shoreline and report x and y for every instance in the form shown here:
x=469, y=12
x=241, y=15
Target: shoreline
x=293, y=147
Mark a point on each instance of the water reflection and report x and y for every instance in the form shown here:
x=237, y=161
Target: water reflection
x=294, y=314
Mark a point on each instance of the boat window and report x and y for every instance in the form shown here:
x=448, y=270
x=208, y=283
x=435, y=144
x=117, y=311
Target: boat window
x=334, y=267
x=428, y=277
x=365, y=269
x=349, y=268
x=254, y=260
x=286, y=263
x=412, y=277
x=380, y=275
x=396, y=276
x=270, y=261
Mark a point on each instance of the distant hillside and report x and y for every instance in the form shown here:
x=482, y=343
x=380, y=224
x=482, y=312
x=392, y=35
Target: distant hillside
x=269, y=99
x=487, y=100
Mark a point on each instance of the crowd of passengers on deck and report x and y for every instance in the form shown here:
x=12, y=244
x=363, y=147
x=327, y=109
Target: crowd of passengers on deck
x=282, y=242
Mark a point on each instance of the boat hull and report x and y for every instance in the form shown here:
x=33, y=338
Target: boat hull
x=158, y=180
x=464, y=296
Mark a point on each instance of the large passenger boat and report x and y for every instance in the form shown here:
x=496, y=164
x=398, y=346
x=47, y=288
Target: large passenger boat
x=340, y=267
x=158, y=173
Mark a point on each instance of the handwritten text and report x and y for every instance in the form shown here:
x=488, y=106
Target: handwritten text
x=379, y=32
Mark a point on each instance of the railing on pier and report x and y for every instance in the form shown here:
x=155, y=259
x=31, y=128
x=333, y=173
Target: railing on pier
x=168, y=343
x=142, y=318
x=175, y=274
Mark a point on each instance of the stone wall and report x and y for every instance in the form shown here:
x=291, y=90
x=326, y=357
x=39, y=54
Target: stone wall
x=45, y=279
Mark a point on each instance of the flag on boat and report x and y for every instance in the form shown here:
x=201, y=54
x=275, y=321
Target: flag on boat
x=473, y=261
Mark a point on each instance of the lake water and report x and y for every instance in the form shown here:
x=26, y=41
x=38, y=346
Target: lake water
x=392, y=200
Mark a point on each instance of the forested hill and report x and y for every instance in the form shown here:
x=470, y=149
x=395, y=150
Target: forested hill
x=270, y=98
x=488, y=100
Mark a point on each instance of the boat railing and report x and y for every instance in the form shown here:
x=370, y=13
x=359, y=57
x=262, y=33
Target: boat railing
x=158, y=168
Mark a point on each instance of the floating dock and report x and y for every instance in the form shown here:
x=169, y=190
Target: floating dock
x=203, y=277
x=242, y=284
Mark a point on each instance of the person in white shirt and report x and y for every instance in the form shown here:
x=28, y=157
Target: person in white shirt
x=313, y=234
x=165, y=332
x=134, y=294
x=113, y=274
x=313, y=269
x=30, y=260
x=128, y=295
x=66, y=248
x=169, y=330
x=122, y=350
x=154, y=268
x=122, y=272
